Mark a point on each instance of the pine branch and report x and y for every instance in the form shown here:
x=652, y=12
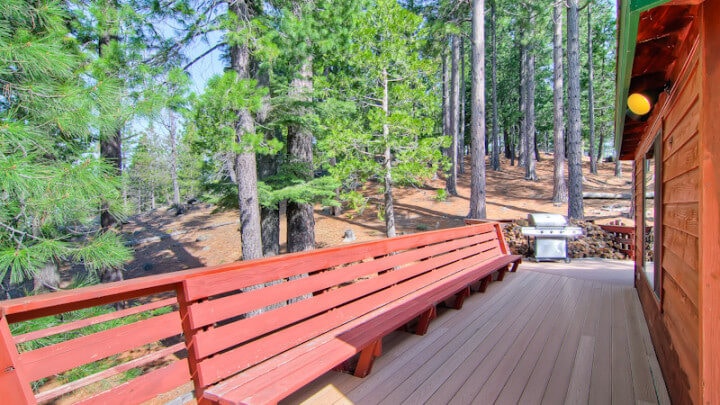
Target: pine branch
x=204, y=54
x=19, y=232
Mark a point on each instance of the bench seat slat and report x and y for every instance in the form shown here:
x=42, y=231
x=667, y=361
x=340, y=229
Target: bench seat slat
x=290, y=371
x=286, y=266
x=208, y=312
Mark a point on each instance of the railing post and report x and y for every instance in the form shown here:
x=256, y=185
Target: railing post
x=13, y=390
x=189, y=334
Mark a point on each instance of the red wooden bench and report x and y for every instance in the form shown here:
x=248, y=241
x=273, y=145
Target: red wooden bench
x=349, y=299
x=185, y=328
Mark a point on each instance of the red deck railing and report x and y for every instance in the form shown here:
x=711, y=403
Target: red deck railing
x=126, y=341
x=623, y=235
x=106, y=355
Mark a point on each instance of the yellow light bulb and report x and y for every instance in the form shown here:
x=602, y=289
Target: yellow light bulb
x=639, y=104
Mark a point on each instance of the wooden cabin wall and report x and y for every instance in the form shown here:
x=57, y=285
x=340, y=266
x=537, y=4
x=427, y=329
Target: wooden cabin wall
x=673, y=318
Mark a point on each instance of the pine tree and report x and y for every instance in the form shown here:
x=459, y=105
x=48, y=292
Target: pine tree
x=477, y=105
x=575, y=176
x=51, y=187
x=379, y=118
x=559, y=186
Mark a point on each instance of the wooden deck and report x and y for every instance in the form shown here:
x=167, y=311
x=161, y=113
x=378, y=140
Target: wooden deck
x=535, y=337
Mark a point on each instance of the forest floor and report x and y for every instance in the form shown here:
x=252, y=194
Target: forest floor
x=164, y=242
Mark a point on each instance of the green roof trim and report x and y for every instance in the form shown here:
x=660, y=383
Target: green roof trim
x=628, y=21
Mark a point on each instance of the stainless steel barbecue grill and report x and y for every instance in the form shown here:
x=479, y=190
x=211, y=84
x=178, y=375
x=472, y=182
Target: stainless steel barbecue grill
x=551, y=234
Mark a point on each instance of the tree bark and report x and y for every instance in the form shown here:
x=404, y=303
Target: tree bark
x=111, y=144
x=451, y=181
x=575, y=176
x=478, y=208
x=244, y=162
x=172, y=131
x=493, y=55
x=506, y=141
x=446, y=130
x=523, y=102
x=267, y=166
x=111, y=151
x=530, y=145
x=387, y=163
x=461, y=135
x=591, y=95
x=560, y=195
x=301, y=216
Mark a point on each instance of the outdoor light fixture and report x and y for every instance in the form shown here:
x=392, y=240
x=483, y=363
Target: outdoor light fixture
x=639, y=104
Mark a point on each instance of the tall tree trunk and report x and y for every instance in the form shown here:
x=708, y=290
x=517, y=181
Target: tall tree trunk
x=530, y=145
x=575, y=176
x=301, y=217
x=389, y=204
x=244, y=162
x=591, y=95
x=172, y=131
x=111, y=151
x=601, y=140
x=523, y=102
x=451, y=182
x=267, y=166
x=446, y=130
x=506, y=141
x=493, y=55
x=478, y=208
x=461, y=136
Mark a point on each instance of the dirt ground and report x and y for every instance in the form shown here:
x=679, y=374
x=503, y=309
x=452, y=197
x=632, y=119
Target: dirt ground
x=164, y=242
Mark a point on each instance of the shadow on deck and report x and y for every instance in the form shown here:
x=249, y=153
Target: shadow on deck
x=550, y=333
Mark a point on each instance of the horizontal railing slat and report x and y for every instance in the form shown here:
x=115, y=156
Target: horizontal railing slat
x=145, y=387
x=70, y=326
x=121, y=368
x=67, y=355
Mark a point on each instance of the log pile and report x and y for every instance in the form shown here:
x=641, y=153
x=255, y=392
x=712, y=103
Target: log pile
x=595, y=242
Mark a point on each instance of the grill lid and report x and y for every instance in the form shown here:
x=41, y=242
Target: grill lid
x=540, y=219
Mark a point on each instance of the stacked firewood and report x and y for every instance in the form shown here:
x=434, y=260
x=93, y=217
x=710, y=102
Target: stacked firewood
x=595, y=242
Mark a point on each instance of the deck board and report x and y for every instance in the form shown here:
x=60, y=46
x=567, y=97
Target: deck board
x=533, y=338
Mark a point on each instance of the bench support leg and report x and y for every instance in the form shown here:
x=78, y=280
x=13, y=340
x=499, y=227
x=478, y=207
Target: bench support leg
x=515, y=266
x=501, y=273
x=367, y=357
x=485, y=282
x=460, y=297
x=424, y=322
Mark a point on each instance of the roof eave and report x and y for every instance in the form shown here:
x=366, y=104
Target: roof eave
x=628, y=21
